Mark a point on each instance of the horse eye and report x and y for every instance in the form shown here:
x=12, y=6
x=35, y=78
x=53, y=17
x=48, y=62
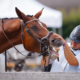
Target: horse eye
x=34, y=27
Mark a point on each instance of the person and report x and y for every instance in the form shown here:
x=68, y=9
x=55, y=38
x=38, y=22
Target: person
x=69, y=54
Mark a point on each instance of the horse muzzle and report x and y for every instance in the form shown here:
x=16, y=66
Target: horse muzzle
x=49, y=43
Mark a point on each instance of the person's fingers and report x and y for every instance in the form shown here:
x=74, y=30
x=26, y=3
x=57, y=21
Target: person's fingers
x=59, y=37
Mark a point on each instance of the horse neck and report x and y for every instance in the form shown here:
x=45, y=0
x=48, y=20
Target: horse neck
x=14, y=36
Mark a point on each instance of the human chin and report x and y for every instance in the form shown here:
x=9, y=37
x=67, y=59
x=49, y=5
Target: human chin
x=72, y=45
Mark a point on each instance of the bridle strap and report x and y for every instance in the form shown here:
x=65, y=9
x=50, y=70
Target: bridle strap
x=28, y=31
x=31, y=21
x=8, y=38
x=47, y=37
x=44, y=41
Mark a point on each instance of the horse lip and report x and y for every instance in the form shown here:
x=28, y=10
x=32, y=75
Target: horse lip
x=57, y=45
x=54, y=52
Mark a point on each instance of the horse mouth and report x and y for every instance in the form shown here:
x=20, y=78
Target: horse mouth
x=54, y=52
x=54, y=47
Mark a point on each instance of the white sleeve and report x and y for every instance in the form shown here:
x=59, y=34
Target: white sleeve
x=78, y=58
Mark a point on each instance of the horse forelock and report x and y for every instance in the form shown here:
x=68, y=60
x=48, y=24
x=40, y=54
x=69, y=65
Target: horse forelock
x=29, y=15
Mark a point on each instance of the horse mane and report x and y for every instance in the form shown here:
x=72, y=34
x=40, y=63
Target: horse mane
x=15, y=17
x=8, y=18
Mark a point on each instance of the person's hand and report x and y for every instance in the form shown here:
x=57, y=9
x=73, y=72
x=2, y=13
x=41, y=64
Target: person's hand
x=59, y=37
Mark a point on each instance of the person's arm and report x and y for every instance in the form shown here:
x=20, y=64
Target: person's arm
x=72, y=60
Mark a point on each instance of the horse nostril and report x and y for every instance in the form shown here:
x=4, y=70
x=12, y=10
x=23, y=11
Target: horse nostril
x=52, y=40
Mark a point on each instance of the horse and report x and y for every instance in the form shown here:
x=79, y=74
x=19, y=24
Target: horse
x=27, y=30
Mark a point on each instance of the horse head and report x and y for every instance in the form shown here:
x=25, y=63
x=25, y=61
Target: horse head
x=38, y=30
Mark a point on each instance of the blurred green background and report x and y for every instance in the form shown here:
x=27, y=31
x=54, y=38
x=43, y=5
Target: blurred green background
x=70, y=12
x=70, y=20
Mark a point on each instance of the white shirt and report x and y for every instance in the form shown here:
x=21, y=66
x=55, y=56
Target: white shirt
x=62, y=65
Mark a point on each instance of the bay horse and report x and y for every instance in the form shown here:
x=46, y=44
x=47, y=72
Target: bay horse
x=12, y=29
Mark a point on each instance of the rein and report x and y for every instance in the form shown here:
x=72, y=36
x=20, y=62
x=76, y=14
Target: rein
x=44, y=41
x=8, y=38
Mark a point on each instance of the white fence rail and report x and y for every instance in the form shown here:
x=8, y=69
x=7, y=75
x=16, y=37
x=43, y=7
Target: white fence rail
x=39, y=76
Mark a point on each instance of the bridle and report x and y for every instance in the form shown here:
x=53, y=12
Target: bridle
x=44, y=41
x=30, y=33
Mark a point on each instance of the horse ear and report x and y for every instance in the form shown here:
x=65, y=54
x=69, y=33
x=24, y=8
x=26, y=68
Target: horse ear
x=20, y=14
x=37, y=15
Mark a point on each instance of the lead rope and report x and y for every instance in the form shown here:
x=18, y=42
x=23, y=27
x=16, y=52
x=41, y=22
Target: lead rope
x=48, y=64
x=5, y=51
x=46, y=67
